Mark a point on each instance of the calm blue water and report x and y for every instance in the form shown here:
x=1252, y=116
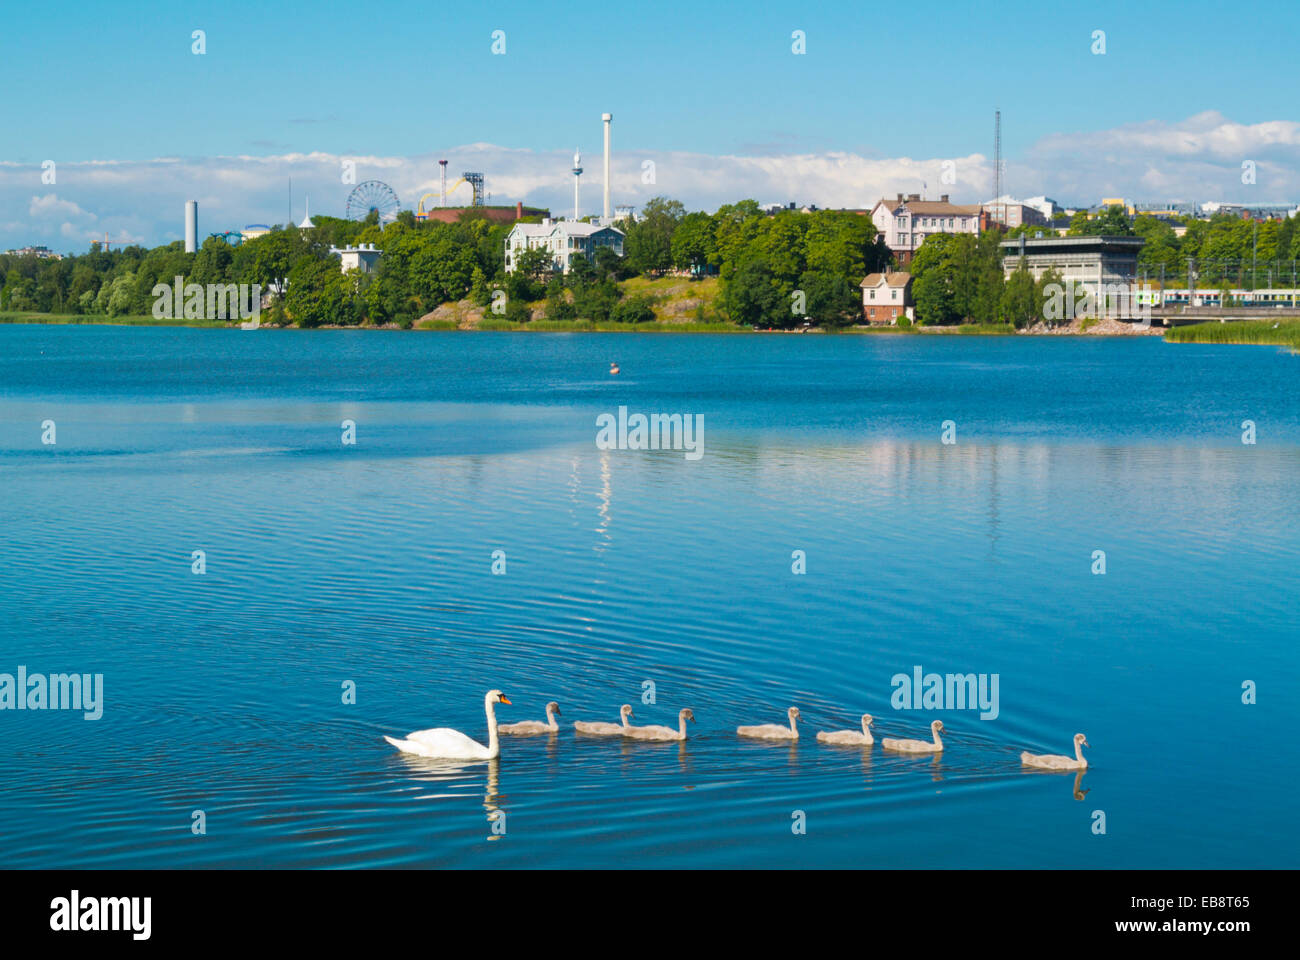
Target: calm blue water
x=372, y=564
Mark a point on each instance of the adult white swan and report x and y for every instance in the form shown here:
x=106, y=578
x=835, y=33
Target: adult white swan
x=525, y=728
x=1057, y=761
x=917, y=746
x=655, y=732
x=601, y=729
x=774, y=731
x=447, y=744
x=850, y=738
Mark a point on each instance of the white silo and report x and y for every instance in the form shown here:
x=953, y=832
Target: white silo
x=191, y=226
x=607, y=117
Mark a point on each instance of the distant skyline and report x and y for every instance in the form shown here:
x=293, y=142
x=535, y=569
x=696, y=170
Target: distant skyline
x=136, y=123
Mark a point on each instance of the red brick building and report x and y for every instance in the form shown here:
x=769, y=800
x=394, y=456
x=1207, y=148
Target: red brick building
x=495, y=214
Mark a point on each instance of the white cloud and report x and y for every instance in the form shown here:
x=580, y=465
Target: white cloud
x=1195, y=159
x=50, y=207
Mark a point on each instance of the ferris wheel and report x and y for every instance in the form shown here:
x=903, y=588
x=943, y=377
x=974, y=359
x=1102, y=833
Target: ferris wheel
x=373, y=195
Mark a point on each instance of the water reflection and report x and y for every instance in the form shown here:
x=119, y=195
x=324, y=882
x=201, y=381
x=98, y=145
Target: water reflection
x=1077, y=788
x=606, y=498
x=461, y=772
x=1078, y=780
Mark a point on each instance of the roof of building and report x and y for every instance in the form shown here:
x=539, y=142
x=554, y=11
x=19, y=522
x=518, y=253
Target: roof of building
x=1007, y=202
x=577, y=228
x=572, y=228
x=533, y=229
x=1049, y=244
x=931, y=208
x=900, y=278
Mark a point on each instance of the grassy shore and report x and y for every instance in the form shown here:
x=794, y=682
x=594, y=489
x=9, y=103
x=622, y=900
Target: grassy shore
x=487, y=323
x=1283, y=333
x=457, y=317
x=19, y=316
x=590, y=326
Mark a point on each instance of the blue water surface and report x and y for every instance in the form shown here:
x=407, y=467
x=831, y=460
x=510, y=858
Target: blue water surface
x=332, y=565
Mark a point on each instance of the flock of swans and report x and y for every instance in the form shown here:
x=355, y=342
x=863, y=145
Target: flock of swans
x=443, y=743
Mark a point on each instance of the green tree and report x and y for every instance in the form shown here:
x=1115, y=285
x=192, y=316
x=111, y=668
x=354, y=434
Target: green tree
x=693, y=244
x=649, y=242
x=635, y=309
x=831, y=299
x=1020, y=303
x=1111, y=222
x=752, y=296
x=534, y=263
x=933, y=269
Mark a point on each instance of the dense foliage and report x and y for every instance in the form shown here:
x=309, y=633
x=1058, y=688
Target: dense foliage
x=1227, y=249
x=781, y=270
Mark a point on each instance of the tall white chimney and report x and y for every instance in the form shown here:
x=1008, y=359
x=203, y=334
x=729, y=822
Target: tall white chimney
x=442, y=176
x=191, y=226
x=607, y=117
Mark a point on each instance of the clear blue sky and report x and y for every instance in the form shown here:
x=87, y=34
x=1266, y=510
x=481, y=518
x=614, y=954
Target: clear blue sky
x=102, y=81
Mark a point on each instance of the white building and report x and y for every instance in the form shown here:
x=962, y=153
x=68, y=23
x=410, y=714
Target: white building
x=1095, y=263
x=364, y=257
x=904, y=223
x=1048, y=207
x=41, y=253
x=1010, y=212
x=563, y=238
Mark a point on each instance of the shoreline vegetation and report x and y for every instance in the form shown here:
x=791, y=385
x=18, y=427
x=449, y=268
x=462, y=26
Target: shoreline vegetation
x=1281, y=332
x=740, y=269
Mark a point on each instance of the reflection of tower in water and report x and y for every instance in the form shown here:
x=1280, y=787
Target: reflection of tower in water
x=994, y=535
x=606, y=496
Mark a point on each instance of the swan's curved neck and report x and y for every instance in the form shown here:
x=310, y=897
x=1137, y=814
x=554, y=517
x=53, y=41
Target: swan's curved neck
x=681, y=724
x=550, y=718
x=937, y=741
x=866, y=732
x=793, y=725
x=1078, y=750
x=490, y=708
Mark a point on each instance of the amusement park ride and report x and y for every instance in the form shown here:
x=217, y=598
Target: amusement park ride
x=471, y=177
x=377, y=197
x=373, y=196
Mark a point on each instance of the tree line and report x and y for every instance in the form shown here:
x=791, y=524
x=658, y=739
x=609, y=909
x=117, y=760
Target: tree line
x=778, y=270
x=1269, y=247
